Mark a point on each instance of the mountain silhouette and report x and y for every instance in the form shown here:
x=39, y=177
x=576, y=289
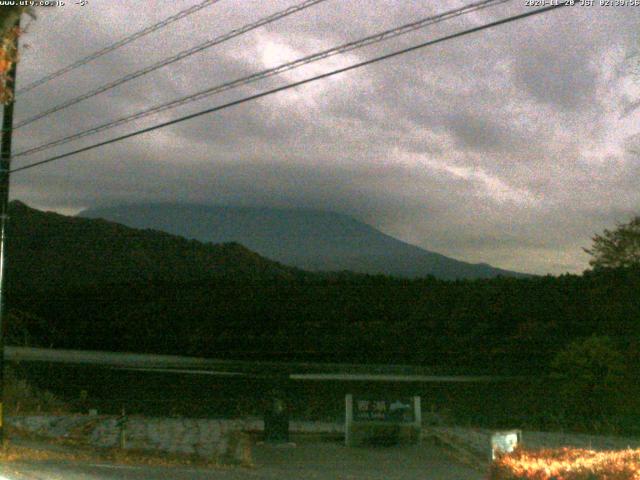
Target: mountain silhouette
x=308, y=239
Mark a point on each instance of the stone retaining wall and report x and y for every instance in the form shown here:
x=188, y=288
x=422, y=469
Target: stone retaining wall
x=210, y=438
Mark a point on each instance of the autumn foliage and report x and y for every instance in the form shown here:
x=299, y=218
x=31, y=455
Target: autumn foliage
x=567, y=464
x=9, y=33
x=8, y=56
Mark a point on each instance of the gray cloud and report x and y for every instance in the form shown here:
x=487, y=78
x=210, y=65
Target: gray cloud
x=503, y=147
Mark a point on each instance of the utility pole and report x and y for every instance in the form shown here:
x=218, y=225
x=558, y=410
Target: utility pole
x=5, y=167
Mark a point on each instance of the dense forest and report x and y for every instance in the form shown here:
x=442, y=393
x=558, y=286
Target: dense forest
x=91, y=284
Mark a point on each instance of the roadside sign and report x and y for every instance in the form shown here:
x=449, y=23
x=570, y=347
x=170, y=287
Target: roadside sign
x=399, y=410
x=504, y=442
x=366, y=416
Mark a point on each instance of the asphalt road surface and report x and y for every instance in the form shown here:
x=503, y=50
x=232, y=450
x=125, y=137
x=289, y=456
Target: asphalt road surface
x=321, y=461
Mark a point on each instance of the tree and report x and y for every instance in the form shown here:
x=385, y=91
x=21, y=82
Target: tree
x=593, y=370
x=9, y=16
x=617, y=248
x=9, y=33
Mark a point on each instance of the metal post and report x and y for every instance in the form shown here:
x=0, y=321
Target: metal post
x=122, y=423
x=348, y=420
x=5, y=167
x=417, y=418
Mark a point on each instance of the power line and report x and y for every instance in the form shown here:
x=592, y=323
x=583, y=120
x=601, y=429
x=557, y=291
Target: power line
x=167, y=61
x=296, y=84
x=118, y=44
x=370, y=40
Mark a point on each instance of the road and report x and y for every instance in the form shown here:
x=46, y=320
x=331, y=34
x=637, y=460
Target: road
x=320, y=461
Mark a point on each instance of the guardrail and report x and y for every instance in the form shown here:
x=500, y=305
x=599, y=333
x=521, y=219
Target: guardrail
x=323, y=371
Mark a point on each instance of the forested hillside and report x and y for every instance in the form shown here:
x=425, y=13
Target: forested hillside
x=92, y=284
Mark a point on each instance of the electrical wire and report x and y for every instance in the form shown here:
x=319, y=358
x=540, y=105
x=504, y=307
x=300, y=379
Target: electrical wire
x=118, y=44
x=175, y=58
x=296, y=84
x=347, y=47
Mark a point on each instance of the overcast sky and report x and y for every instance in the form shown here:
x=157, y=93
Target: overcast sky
x=508, y=146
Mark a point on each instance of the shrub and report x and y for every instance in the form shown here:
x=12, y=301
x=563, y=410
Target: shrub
x=567, y=464
x=21, y=397
x=383, y=435
x=593, y=370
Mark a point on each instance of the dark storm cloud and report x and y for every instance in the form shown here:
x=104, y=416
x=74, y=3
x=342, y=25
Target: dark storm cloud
x=503, y=147
x=559, y=64
x=479, y=133
x=559, y=76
